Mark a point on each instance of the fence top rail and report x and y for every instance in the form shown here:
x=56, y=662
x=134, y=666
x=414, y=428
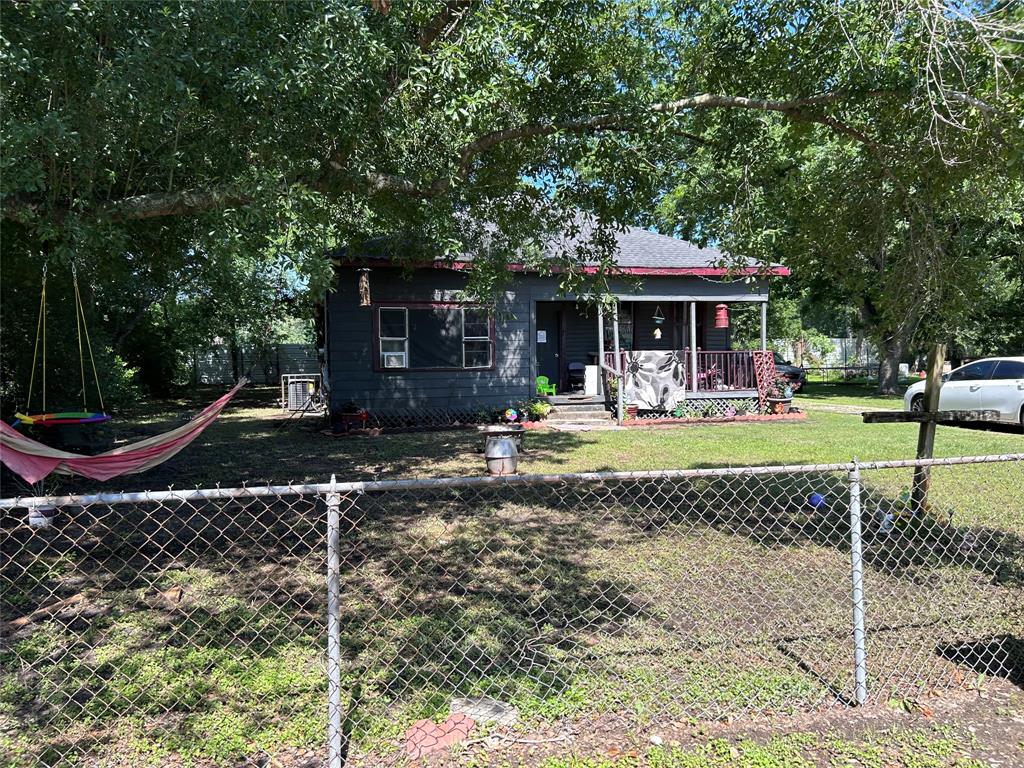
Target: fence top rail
x=372, y=486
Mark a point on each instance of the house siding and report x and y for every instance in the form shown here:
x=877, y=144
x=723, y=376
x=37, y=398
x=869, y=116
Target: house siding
x=714, y=338
x=350, y=346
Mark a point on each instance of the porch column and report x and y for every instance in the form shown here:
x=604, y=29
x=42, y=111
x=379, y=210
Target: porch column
x=600, y=349
x=693, y=346
x=618, y=365
x=764, y=325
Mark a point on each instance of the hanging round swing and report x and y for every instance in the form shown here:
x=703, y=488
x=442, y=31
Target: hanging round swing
x=84, y=416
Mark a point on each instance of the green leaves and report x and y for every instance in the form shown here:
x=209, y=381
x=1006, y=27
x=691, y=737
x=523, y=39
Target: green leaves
x=167, y=132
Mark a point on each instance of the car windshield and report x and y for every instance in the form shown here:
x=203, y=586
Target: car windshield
x=779, y=359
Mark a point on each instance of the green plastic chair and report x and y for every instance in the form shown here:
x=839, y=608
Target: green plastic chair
x=545, y=387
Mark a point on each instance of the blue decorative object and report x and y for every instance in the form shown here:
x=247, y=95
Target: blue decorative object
x=816, y=500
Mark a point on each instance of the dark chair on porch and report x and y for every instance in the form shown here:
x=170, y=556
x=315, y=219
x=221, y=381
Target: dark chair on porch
x=577, y=376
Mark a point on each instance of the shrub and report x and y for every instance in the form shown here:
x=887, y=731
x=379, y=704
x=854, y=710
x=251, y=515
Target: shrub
x=538, y=409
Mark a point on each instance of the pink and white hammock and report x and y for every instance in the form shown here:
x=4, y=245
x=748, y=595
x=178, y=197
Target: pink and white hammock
x=33, y=461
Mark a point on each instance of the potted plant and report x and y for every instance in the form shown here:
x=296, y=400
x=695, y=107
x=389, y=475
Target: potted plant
x=538, y=410
x=508, y=422
x=779, y=394
x=350, y=416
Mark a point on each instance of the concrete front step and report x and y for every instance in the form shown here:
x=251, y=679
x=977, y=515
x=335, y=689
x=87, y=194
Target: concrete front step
x=591, y=410
x=583, y=418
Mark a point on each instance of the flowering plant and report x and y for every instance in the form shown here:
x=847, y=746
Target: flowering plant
x=779, y=389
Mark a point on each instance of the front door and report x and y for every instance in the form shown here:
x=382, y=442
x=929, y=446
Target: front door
x=548, y=342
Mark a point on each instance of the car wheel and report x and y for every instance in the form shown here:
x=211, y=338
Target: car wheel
x=917, y=403
x=1022, y=417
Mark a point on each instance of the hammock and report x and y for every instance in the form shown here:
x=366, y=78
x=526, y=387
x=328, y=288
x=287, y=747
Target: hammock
x=33, y=461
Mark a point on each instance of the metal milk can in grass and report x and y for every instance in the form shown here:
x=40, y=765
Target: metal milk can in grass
x=41, y=516
x=501, y=455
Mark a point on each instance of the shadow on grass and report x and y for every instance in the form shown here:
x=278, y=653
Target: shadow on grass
x=196, y=619
x=1001, y=656
x=561, y=599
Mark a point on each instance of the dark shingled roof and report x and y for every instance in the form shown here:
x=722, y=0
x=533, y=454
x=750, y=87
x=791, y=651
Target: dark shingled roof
x=641, y=248
x=641, y=252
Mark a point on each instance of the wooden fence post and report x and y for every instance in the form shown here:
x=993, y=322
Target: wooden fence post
x=926, y=434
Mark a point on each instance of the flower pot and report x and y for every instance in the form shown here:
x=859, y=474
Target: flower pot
x=632, y=411
x=778, y=404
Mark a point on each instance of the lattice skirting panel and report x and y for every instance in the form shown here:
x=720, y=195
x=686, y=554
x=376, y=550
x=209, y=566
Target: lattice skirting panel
x=424, y=418
x=707, y=408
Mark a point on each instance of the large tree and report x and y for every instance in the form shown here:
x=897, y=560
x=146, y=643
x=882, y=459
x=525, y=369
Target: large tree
x=161, y=134
x=906, y=221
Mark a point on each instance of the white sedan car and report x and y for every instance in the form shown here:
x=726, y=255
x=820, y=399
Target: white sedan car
x=995, y=383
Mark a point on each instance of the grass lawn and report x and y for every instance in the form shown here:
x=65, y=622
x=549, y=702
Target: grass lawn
x=646, y=602
x=252, y=443
x=815, y=393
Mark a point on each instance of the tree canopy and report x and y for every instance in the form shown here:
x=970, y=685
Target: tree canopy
x=173, y=146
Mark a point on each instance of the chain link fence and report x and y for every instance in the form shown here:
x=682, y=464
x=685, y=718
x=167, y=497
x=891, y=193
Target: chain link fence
x=366, y=623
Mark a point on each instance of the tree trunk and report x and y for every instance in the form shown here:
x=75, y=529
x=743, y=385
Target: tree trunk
x=890, y=351
x=233, y=349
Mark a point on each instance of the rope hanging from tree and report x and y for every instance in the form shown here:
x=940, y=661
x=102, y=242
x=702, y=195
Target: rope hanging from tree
x=85, y=416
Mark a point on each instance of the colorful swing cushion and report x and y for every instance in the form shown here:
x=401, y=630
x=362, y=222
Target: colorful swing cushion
x=64, y=417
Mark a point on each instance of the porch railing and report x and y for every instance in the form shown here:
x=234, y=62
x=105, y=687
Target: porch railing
x=717, y=371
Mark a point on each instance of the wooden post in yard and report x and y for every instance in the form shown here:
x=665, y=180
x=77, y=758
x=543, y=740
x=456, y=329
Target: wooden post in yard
x=926, y=435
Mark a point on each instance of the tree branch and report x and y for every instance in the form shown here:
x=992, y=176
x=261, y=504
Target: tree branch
x=189, y=202
x=182, y=203
x=796, y=109
x=444, y=23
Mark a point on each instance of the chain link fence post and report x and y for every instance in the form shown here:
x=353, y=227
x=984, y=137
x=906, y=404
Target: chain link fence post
x=335, y=735
x=857, y=594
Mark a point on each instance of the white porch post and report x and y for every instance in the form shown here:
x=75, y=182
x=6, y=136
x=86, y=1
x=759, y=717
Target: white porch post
x=618, y=365
x=600, y=349
x=693, y=346
x=764, y=325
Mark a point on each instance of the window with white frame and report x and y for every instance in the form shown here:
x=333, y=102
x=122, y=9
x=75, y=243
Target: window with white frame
x=393, y=331
x=476, y=338
x=434, y=337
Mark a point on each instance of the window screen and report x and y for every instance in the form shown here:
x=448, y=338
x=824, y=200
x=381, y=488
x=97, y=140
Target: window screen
x=435, y=337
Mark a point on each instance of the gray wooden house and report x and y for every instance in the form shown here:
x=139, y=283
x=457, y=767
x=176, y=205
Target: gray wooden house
x=418, y=354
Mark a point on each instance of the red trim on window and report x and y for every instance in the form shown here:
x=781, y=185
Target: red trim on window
x=375, y=338
x=460, y=266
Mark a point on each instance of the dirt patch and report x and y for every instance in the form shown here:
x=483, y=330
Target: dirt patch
x=985, y=725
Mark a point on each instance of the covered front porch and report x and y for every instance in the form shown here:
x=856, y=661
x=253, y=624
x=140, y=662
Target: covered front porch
x=678, y=347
